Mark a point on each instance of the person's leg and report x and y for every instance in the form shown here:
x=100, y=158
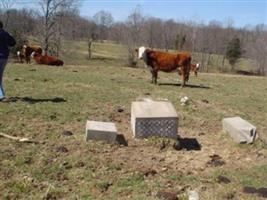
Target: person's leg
x=2, y=68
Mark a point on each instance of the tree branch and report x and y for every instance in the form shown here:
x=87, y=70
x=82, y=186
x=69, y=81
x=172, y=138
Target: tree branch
x=18, y=139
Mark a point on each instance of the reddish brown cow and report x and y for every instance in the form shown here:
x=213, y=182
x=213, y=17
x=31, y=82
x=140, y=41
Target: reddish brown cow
x=166, y=62
x=46, y=60
x=28, y=50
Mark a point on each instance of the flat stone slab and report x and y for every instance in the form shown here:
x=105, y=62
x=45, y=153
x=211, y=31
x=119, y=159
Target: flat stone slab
x=240, y=130
x=101, y=131
x=154, y=118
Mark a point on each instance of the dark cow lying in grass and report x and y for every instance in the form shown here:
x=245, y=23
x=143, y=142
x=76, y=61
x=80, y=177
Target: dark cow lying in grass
x=46, y=60
x=167, y=62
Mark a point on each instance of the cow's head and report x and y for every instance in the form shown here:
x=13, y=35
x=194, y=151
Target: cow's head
x=24, y=47
x=195, y=68
x=141, y=52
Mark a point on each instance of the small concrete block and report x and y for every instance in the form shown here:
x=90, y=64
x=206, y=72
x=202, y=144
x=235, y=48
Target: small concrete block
x=101, y=131
x=240, y=130
x=154, y=118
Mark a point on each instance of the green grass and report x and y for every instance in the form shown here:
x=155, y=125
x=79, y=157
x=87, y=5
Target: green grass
x=215, y=63
x=102, y=53
x=94, y=89
x=109, y=53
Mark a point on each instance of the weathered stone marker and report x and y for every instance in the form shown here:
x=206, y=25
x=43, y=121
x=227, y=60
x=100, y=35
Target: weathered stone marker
x=101, y=131
x=240, y=130
x=154, y=118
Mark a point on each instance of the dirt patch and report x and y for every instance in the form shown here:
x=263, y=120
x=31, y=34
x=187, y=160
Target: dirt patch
x=223, y=179
x=62, y=149
x=215, y=161
x=67, y=133
x=167, y=195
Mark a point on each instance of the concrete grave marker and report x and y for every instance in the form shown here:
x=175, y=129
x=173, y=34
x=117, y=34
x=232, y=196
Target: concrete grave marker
x=240, y=130
x=101, y=131
x=154, y=118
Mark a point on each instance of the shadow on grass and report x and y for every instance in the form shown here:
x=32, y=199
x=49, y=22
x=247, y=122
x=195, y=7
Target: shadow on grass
x=187, y=85
x=120, y=140
x=189, y=144
x=105, y=59
x=31, y=100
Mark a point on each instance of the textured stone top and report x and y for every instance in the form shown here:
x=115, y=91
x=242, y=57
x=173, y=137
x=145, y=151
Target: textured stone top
x=101, y=126
x=240, y=123
x=153, y=109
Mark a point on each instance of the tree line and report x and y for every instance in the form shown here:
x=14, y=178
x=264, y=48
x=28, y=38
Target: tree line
x=58, y=20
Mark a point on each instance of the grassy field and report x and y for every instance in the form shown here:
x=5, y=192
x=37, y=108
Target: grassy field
x=45, y=101
x=114, y=54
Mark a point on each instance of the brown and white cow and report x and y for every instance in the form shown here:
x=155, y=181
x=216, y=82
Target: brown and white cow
x=167, y=62
x=28, y=50
x=195, y=68
x=46, y=60
x=20, y=56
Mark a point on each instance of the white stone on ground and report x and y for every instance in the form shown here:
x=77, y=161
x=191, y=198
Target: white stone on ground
x=193, y=195
x=101, y=131
x=240, y=130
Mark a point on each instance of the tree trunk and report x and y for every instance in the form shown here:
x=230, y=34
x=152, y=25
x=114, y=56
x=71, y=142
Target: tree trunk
x=202, y=61
x=208, y=63
x=217, y=62
x=7, y=19
x=89, y=48
x=223, y=60
x=232, y=67
x=47, y=25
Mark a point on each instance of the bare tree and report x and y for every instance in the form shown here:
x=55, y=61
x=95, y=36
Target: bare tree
x=135, y=24
x=257, y=49
x=50, y=11
x=117, y=32
x=104, y=20
x=91, y=29
x=90, y=41
x=153, y=28
x=169, y=34
x=21, y=24
x=133, y=33
x=6, y=5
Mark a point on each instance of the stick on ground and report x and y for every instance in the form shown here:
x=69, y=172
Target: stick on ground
x=19, y=139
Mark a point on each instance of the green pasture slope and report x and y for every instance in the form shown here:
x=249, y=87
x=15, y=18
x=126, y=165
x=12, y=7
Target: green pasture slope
x=44, y=101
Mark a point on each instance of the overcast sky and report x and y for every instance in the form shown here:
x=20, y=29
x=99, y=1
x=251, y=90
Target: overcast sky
x=243, y=12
